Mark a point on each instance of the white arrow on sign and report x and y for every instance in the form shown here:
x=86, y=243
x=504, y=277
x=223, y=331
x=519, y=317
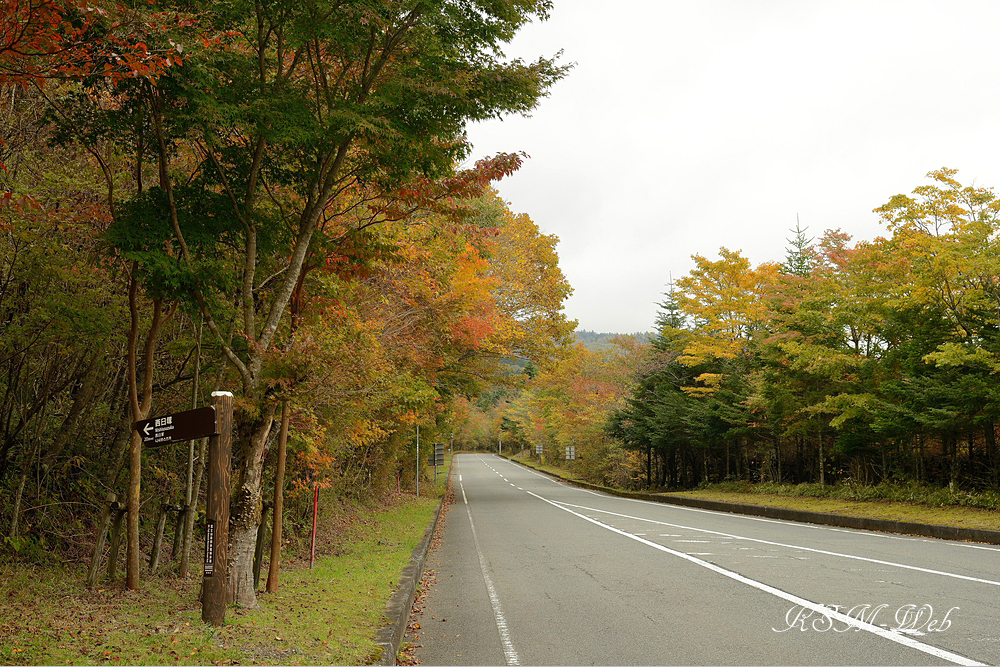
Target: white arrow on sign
x=147, y=429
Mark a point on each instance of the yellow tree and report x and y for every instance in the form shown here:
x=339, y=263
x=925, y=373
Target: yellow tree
x=946, y=235
x=727, y=301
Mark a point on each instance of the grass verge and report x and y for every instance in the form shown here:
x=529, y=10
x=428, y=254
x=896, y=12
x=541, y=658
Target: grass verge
x=948, y=515
x=896, y=502
x=325, y=615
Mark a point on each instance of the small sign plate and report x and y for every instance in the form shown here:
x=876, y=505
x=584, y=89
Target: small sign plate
x=187, y=425
x=209, y=547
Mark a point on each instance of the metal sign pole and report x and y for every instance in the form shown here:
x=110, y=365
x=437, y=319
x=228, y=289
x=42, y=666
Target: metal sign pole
x=213, y=597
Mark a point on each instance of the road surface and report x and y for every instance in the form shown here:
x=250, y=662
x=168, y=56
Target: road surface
x=533, y=571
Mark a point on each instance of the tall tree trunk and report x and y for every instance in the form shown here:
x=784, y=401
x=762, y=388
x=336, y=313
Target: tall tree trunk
x=920, y=458
x=777, y=458
x=990, y=435
x=140, y=404
x=822, y=463
x=246, y=517
x=81, y=399
x=952, y=440
x=190, y=493
x=798, y=458
x=192, y=505
x=649, y=466
x=22, y=481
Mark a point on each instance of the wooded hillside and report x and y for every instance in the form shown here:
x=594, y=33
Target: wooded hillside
x=266, y=199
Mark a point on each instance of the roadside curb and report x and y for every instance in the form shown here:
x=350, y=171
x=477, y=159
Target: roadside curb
x=398, y=607
x=821, y=518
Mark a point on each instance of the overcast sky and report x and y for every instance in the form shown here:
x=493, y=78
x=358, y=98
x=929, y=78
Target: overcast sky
x=686, y=126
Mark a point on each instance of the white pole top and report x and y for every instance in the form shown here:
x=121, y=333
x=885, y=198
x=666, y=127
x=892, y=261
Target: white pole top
x=222, y=393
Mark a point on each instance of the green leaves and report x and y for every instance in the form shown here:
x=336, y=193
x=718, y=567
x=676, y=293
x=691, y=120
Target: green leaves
x=142, y=233
x=880, y=345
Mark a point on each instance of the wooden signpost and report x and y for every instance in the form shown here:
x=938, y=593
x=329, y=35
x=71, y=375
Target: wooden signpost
x=180, y=426
x=220, y=444
x=216, y=423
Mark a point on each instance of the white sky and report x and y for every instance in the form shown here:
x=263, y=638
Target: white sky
x=686, y=126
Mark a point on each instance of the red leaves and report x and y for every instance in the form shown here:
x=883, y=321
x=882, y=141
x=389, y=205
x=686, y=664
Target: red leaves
x=449, y=196
x=47, y=39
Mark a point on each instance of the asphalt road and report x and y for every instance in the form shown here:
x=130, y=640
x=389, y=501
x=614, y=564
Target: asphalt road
x=532, y=571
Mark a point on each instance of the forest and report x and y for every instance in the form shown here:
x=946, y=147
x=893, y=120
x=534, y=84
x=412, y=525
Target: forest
x=866, y=363
x=279, y=200
x=274, y=199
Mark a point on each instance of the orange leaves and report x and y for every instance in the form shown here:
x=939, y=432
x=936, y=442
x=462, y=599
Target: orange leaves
x=569, y=402
x=470, y=332
x=45, y=39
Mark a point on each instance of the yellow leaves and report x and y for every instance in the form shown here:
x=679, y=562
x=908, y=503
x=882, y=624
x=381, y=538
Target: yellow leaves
x=727, y=300
x=954, y=354
x=704, y=346
x=711, y=380
x=710, y=383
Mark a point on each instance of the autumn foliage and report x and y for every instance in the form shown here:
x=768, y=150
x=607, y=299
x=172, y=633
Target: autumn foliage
x=869, y=362
x=278, y=203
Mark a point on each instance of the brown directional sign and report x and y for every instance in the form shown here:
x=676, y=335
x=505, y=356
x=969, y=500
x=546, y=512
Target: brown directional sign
x=187, y=425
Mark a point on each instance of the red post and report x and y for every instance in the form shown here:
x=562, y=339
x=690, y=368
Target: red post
x=312, y=550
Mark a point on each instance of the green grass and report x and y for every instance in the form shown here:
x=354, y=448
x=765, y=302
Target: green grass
x=327, y=615
x=896, y=510
x=905, y=492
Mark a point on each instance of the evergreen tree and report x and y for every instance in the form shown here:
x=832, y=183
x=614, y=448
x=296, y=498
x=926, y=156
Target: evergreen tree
x=799, y=260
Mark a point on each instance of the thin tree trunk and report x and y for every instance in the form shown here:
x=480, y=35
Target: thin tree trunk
x=279, y=495
x=140, y=405
x=190, y=513
x=649, y=466
x=81, y=399
x=25, y=471
x=190, y=496
x=952, y=439
x=777, y=458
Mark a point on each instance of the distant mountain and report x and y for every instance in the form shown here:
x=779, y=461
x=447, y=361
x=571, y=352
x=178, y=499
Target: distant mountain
x=600, y=341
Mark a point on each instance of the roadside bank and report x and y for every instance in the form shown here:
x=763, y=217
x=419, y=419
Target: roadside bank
x=953, y=523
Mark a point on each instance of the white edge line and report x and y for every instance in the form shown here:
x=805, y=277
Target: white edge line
x=794, y=599
x=510, y=654
x=747, y=517
x=794, y=546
